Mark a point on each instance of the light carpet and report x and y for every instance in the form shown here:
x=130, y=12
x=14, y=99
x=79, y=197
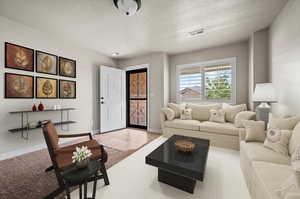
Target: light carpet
x=132, y=178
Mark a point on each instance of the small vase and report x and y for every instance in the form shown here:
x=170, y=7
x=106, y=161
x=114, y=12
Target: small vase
x=82, y=164
x=41, y=107
x=34, y=108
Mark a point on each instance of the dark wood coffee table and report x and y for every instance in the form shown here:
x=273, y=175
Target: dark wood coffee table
x=179, y=169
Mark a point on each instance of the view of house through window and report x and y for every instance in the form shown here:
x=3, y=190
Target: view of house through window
x=213, y=83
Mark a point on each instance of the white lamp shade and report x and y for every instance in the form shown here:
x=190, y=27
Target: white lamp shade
x=264, y=93
x=128, y=7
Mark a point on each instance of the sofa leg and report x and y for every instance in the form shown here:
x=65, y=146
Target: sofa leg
x=104, y=173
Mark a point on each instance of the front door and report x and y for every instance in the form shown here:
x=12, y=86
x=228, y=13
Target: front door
x=137, y=98
x=112, y=99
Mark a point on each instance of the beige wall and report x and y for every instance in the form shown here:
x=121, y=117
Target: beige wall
x=157, y=88
x=285, y=57
x=258, y=61
x=238, y=50
x=86, y=113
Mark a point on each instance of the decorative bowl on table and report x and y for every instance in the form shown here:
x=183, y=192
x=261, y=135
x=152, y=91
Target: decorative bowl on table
x=184, y=146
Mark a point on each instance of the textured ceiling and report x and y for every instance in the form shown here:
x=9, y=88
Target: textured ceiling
x=160, y=25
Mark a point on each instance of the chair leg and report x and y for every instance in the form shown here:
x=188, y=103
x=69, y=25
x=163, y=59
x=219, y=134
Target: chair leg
x=49, y=168
x=104, y=173
x=54, y=193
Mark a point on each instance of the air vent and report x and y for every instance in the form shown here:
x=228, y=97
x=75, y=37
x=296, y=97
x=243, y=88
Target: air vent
x=196, y=32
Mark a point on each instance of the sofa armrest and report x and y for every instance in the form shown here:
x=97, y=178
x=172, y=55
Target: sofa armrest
x=163, y=118
x=242, y=134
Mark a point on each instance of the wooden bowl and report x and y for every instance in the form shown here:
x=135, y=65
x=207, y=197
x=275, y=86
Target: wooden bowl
x=185, y=146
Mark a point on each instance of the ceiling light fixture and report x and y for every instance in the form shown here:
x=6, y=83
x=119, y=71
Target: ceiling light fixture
x=196, y=32
x=128, y=7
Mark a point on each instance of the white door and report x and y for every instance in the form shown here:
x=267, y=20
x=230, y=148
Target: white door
x=112, y=99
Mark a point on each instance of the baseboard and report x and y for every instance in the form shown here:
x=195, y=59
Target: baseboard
x=158, y=131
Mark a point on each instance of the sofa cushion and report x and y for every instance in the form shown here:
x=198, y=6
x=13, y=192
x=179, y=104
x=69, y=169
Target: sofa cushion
x=177, y=108
x=244, y=115
x=257, y=152
x=295, y=139
x=281, y=123
x=183, y=124
x=219, y=128
x=201, y=112
x=232, y=111
x=170, y=113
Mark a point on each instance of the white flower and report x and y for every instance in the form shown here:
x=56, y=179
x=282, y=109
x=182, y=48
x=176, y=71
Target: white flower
x=81, y=153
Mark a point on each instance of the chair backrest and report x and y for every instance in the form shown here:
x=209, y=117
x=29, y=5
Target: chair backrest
x=51, y=135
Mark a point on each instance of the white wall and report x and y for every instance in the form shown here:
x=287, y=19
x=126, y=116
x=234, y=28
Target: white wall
x=86, y=113
x=238, y=50
x=157, y=67
x=258, y=61
x=285, y=57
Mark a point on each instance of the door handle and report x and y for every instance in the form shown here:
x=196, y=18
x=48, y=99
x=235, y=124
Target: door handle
x=102, y=102
x=102, y=98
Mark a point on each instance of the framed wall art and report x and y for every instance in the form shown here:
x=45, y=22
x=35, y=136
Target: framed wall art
x=67, y=67
x=46, y=63
x=46, y=88
x=19, y=86
x=67, y=89
x=19, y=57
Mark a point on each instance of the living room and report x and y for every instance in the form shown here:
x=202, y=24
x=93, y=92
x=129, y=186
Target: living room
x=192, y=99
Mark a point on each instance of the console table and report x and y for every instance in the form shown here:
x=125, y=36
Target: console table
x=24, y=127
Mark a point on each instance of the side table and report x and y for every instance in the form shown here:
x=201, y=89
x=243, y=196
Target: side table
x=74, y=176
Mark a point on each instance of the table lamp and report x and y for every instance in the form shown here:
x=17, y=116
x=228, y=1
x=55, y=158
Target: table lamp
x=264, y=93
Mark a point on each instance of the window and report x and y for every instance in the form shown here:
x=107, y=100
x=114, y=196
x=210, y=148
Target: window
x=207, y=81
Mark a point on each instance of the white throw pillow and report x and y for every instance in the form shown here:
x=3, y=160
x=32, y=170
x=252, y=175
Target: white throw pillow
x=177, y=108
x=255, y=131
x=186, y=114
x=278, y=140
x=217, y=116
x=232, y=111
x=201, y=112
x=244, y=115
x=169, y=113
x=281, y=123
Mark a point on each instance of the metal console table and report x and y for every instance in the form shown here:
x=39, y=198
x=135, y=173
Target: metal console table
x=25, y=115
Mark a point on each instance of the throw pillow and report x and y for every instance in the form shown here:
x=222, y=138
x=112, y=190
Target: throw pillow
x=217, y=116
x=244, y=115
x=186, y=114
x=169, y=113
x=255, y=130
x=281, y=123
x=177, y=108
x=295, y=159
x=232, y=111
x=278, y=140
x=201, y=112
x=295, y=139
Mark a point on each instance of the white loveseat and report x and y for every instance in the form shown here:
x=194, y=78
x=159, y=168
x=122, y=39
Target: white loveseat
x=264, y=169
x=220, y=134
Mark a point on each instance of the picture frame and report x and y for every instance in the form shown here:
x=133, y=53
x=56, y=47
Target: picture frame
x=46, y=88
x=46, y=63
x=18, y=86
x=67, y=67
x=19, y=57
x=67, y=89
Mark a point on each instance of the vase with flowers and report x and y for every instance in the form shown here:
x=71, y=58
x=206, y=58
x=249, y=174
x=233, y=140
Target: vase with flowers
x=81, y=157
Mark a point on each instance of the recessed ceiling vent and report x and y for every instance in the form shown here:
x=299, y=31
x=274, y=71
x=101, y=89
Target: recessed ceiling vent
x=196, y=32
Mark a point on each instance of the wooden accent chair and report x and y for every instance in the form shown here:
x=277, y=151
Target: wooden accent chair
x=61, y=156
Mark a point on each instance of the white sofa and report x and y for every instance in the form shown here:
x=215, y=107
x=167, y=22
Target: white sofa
x=265, y=170
x=220, y=134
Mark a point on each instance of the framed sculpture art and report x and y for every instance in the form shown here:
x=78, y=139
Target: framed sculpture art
x=19, y=86
x=46, y=88
x=46, y=63
x=67, y=89
x=19, y=57
x=67, y=67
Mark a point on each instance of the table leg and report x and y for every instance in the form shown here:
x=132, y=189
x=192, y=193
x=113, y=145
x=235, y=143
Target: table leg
x=85, y=190
x=80, y=191
x=68, y=191
x=94, y=187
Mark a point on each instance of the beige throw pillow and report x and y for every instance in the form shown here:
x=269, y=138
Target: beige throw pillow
x=217, y=116
x=278, y=140
x=244, y=115
x=201, y=112
x=177, y=108
x=281, y=123
x=169, y=113
x=232, y=111
x=186, y=114
x=255, y=130
x=295, y=159
x=295, y=139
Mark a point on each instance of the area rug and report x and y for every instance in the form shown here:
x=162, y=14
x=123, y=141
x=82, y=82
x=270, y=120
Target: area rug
x=132, y=178
x=23, y=177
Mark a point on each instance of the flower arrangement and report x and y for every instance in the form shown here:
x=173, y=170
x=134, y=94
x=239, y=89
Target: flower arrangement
x=81, y=154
